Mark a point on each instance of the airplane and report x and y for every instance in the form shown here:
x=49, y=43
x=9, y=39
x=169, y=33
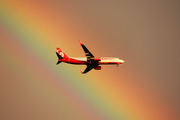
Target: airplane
x=91, y=61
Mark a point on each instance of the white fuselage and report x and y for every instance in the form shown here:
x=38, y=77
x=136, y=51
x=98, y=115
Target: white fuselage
x=103, y=60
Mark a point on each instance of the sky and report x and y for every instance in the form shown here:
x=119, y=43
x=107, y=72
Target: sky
x=145, y=34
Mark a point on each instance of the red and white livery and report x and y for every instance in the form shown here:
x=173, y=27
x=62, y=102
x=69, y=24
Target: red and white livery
x=91, y=61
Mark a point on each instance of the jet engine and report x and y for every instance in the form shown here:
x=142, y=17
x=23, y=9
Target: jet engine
x=98, y=68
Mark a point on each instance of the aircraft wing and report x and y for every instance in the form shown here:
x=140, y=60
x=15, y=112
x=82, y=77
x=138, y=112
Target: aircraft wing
x=88, y=68
x=87, y=52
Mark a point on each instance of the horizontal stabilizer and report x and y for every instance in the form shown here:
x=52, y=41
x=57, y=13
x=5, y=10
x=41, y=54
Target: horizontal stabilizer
x=59, y=56
x=58, y=62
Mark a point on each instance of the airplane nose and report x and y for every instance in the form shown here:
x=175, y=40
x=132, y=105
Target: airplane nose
x=123, y=61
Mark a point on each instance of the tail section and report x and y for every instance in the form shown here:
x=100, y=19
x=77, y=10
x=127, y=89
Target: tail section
x=59, y=57
x=61, y=53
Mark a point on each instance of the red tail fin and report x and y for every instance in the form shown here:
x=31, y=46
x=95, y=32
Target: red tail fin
x=62, y=53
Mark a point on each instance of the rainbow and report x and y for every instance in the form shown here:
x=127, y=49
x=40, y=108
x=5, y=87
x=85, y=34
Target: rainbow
x=31, y=31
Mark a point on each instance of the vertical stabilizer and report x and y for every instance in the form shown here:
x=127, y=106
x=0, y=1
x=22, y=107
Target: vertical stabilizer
x=61, y=53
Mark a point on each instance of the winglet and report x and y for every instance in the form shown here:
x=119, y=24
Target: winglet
x=80, y=42
x=81, y=72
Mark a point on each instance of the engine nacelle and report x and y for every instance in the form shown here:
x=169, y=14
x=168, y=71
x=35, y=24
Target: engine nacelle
x=97, y=59
x=98, y=68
